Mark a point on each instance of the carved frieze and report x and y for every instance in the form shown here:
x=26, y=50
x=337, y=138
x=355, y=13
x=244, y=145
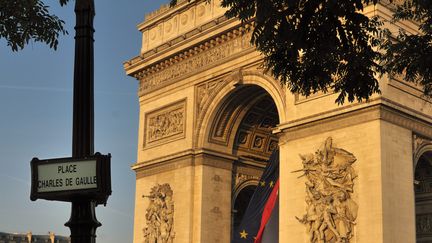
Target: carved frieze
x=193, y=60
x=160, y=215
x=165, y=124
x=331, y=212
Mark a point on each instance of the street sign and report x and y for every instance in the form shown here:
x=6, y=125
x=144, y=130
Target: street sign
x=65, y=179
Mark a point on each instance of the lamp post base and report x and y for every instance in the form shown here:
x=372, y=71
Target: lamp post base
x=83, y=222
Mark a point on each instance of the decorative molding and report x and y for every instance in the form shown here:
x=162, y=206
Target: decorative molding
x=160, y=215
x=242, y=181
x=175, y=163
x=184, y=159
x=194, y=59
x=205, y=92
x=418, y=143
x=299, y=99
x=240, y=178
x=321, y=123
x=331, y=212
x=165, y=124
x=408, y=121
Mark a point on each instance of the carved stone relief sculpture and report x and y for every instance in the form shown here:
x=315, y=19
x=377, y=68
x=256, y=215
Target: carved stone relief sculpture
x=195, y=59
x=331, y=212
x=160, y=215
x=166, y=124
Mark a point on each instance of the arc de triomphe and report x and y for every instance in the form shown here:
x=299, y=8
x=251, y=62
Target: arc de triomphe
x=210, y=117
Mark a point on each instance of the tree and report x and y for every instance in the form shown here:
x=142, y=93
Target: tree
x=322, y=45
x=411, y=54
x=25, y=20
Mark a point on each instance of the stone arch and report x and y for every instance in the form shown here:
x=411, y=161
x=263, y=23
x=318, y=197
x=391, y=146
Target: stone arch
x=242, y=193
x=423, y=192
x=271, y=86
x=235, y=118
x=244, y=184
x=230, y=85
x=421, y=151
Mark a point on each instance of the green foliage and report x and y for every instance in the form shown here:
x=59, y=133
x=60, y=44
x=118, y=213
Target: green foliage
x=25, y=20
x=411, y=54
x=317, y=45
x=312, y=45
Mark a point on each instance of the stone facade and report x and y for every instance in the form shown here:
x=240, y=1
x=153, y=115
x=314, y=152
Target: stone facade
x=210, y=116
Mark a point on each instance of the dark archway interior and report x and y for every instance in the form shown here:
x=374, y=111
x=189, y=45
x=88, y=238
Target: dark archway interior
x=241, y=203
x=244, y=124
x=423, y=197
x=254, y=136
x=253, y=141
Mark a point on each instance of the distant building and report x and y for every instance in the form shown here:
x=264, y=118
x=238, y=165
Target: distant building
x=30, y=238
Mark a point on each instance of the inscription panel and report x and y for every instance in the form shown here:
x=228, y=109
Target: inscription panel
x=165, y=124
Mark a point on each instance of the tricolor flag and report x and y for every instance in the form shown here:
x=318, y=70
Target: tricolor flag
x=260, y=223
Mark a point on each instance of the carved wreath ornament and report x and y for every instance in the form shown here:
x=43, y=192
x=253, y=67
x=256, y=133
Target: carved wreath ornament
x=330, y=211
x=160, y=215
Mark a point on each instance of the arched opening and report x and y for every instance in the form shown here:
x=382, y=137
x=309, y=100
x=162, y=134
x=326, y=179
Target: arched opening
x=244, y=123
x=240, y=204
x=243, y=127
x=423, y=197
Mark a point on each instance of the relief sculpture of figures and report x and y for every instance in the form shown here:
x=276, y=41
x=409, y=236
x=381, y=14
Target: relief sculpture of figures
x=330, y=210
x=166, y=124
x=160, y=215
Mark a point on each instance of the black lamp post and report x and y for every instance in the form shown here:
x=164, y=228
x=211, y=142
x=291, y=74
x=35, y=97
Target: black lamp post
x=83, y=222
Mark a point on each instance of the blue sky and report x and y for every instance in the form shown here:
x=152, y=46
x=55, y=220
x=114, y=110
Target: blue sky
x=36, y=119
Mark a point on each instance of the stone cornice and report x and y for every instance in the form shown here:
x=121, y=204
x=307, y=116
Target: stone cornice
x=379, y=108
x=179, y=156
x=192, y=51
x=197, y=57
x=197, y=157
x=184, y=159
x=164, y=11
x=385, y=10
